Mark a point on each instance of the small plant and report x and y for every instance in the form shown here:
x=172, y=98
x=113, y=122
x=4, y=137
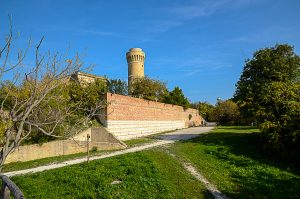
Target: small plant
x=94, y=149
x=190, y=116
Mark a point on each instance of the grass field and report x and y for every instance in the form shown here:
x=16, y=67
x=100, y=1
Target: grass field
x=138, y=141
x=149, y=174
x=230, y=158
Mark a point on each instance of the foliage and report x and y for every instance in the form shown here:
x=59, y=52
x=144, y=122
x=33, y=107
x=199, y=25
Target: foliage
x=117, y=86
x=156, y=90
x=226, y=112
x=282, y=115
x=231, y=158
x=87, y=96
x=205, y=110
x=277, y=64
x=268, y=90
x=177, y=97
x=76, y=100
x=149, y=89
x=149, y=174
x=35, y=99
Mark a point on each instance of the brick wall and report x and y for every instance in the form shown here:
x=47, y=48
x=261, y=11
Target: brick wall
x=126, y=117
x=129, y=117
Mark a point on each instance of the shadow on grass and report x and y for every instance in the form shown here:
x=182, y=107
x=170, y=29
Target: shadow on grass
x=176, y=137
x=238, y=127
x=257, y=174
x=248, y=145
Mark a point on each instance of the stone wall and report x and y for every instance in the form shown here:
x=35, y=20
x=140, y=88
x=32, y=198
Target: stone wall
x=128, y=117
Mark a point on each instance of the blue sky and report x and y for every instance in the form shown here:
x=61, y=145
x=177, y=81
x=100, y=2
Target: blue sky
x=197, y=45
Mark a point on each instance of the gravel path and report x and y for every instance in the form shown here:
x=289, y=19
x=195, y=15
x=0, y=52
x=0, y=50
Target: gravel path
x=185, y=134
x=164, y=139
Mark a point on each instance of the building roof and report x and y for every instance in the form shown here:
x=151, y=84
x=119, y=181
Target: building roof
x=90, y=75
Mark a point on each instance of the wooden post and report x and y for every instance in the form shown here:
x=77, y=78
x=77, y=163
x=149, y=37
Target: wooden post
x=88, y=147
x=5, y=192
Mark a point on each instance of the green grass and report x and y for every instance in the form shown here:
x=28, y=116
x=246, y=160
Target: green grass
x=230, y=158
x=45, y=161
x=138, y=141
x=148, y=174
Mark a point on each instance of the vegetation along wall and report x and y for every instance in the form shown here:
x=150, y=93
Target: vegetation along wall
x=127, y=117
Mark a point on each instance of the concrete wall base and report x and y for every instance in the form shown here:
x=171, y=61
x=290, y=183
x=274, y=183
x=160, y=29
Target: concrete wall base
x=100, y=138
x=125, y=130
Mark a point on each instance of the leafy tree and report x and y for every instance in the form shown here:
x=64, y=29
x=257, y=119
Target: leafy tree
x=51, y=109
x=268, y=90
x=36, y=101
x=88, y=95
x=277, y=64
x=281, y=114
x=117, y=86
x=149, y=89
x=226, y=112
x=177, y=97
x=205, y=109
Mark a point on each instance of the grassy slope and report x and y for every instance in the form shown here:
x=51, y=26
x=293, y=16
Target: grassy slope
x=138, y=141
x=149, y=174
x=230, y=158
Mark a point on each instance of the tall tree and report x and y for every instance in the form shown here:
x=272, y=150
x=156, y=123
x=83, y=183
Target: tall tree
x=276, y=64
x=205, y=109
x=177, y=97
x=117, y=86
x=149, y=89
x=226, y=112
x=268, y=90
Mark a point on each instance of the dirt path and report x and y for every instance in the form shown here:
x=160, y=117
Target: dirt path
x=210, y=187
x=81, y=160
x=164, y=139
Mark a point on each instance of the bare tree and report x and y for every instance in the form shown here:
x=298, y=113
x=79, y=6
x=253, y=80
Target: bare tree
x=32, y=100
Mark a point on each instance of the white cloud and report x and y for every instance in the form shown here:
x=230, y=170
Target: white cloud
x=268, y=34
x=191, y=66
x=174, y=16
x=206, y=8
x=163, y=26
x=199, y=9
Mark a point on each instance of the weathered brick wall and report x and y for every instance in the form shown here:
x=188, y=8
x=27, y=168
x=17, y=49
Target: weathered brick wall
x=126, y=117
x=129, y=117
